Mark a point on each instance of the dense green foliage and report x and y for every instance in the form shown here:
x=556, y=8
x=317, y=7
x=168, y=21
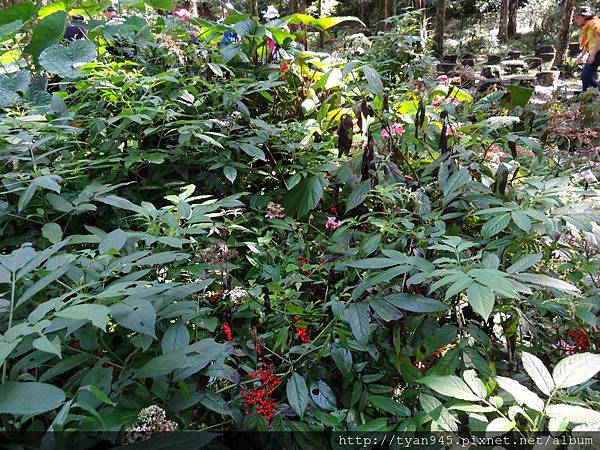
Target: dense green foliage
x=287, y=240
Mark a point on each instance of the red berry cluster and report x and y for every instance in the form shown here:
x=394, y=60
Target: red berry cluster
x=227, y=331
x=216, y=296
x=301, y=331
x=260, y=396
x=303, y=262
x=580, y=339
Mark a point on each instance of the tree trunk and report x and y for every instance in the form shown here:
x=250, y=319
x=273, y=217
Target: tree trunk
x=513, y=7
x=386, y=13
x=440, y=24
x=503, y=25
x=562, y=42
x=297, y=6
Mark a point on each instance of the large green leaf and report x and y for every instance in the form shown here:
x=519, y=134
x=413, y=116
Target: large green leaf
x=135, y=314
x=525, y=263
x=358, y=195
x=167, y=5
x=297, y=393
x=546, y=281
x=306, y=195
x=450, y=386
x=325, y=23
x=536, y=369
x=357, y=316
x=574, y=414
x=10, y=28
x=521, y=393
x=21, y=11
x=576, y=369
x=97, y=314
x=495, y=225
x=21, y=399
x=47, y=32
x=481, y=299
x=323, y=395
x=415, y=303
x=65, y=60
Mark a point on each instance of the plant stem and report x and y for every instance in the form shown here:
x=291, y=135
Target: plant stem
x=10, y=319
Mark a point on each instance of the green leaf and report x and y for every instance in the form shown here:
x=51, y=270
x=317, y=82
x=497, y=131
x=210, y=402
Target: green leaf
x=495, y=225
x=342, y=358
x=254, y=151
x=10, y=28
x=521, y=220
x=373, y=263
x=520, y=393
x=390, y=406
x=358, y=195
x=323, y=396
x=415, y=303
x=374, y=80
x=516, y=96
x=166, y=5
x=176, y=337
x=26, y=197
x=97, y=314
x=450, y=386
x=135, y=314
x=456, y=181
x=546, y=281
x=113, y=241
x=230, y=173
x=6, y=349
x=325, y=23
x=500, y=424
x=22, y=11
x=65, y=60
x=52, y=232
x=306, y=195
x=48, y=31
x=537, y=371
x=481, y=299
x=19, y=399
x=297, y=393
x=357, y=316
x=45, y=345
x=476, y=385
x=574, y=414
x=525, y=263
x=576, y=369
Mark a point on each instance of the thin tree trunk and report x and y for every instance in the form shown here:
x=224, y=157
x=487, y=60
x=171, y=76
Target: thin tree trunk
x=513, y=8
x=503, y=25
x=386, y=13
x=440, y=24
x=562, y=43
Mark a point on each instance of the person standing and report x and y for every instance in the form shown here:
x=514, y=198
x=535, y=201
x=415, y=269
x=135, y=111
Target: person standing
x=76, y=28
x=589, y=43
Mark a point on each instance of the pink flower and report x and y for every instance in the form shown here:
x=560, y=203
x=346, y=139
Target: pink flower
x=182, y=14
x=333, y=224
x=395, y=129
x=443, y=78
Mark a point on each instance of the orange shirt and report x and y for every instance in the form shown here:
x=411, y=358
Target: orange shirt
x=587, y=40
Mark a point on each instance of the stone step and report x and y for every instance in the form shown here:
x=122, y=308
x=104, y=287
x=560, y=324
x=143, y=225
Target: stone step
x=514, y=54
x=493, y=59
x=491, y=71
x=515, y=65
x=523, y=80
x=547, y=57
x=445, y=68
x=533, y=62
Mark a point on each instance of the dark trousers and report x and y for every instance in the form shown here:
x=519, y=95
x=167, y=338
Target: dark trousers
x=588, y=74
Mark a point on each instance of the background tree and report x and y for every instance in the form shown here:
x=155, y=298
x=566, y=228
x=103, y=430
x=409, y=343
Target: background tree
x=513, y=8
x=562, y=43
x=440, y=24
x=503, y=25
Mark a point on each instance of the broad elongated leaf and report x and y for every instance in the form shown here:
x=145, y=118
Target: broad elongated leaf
x=415, y=303
x=52, y=232
x=389, y=405
x=546, y=281
x=357, y=316
x=49, y=346
x=176, y=337
x=358, y=195
x=495, y=225
x=297, y=393
x=306, y=195
x=135, y=314
x=500, y=425
x=450, y=386
x=254, y=151
x=97, y=314
x=481, y=299
x=521, y=220
x=115, y=240
x=373, y=263
x=573, y=413
x=536, y=369
x=374, y=80
x=21, y=399
x=525, y=263
x=323, y=396
x=576, y=369
x=520, y=393
x=476, y=385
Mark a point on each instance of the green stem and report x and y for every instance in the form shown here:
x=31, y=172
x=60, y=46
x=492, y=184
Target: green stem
x=10, y=318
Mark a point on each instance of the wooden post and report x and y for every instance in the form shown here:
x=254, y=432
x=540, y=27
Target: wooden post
x=440, y=24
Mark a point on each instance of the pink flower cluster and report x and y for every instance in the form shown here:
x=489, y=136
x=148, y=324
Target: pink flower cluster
x=452, y=128
x=444, y=79
x=494, y=154
x=445, y=101
x=395, y=129
x=333, y=224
